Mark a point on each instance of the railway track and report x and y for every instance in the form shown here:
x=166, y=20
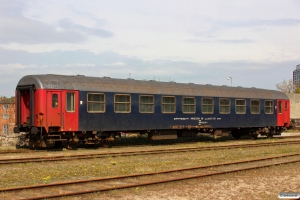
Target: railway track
x=15, y=151
x=62, y=189
x=134, y=153
x=117, y=145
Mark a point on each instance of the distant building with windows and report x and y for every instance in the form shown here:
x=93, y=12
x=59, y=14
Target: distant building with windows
x=296, y=76
x=7, y=116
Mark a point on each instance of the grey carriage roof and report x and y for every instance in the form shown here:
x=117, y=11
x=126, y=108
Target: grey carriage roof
x=106, y=84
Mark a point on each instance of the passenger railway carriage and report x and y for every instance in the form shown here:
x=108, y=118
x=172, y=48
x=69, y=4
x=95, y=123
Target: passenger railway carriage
x=55, y=110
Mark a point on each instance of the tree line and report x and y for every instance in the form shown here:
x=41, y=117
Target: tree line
x=8, y=99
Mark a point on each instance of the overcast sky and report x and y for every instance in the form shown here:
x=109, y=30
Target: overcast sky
x=255, y=42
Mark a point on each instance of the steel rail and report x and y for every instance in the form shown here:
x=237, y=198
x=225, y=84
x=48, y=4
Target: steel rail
x=134, y=153
x=15, y=151
x=152, y=173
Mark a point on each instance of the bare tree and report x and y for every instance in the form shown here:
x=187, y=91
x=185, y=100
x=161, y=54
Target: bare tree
x=286, y=86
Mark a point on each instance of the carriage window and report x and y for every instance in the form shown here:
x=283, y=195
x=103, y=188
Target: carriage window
x=168, y=105
x=280, y=107
x=207, y=106
x=54, y=100
x=255, y=106
x=146, y=104
x=269, y=108
x=224, y=106
x=240, y=106
x=95, y=103
x=70, y=102
x=122, y=103
x=189, y=105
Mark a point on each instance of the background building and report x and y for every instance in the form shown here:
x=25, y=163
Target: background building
x=296, y=76
x=7, y=116
x=295, y=105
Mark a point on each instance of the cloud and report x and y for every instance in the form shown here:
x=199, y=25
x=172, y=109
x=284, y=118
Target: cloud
x=80, y=65
x=243, y=73
x=14, y=67
x=257, y=22
x=68, y=25
x=115, y=64
x=224, y=41
x=218, y=25
x=242, y=41
x=15, y=28
x=28, y=31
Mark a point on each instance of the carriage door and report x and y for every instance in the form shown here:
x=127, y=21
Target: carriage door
x=25, y=114
x=54, y=108
x=25, y=105
x=279, y=113
x=286, y=112
x=283, y=112
x=70, y=110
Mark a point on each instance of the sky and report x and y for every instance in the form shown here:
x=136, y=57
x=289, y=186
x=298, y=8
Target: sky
x=256, y=43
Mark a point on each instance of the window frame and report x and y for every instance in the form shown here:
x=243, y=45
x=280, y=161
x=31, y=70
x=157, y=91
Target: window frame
x=229, y=105
x=240, y=113
x=115, y=95
x=280, y=107
x=72, y=109
x=5, y=129
x=5, y=106
x=163, y=104
x=6, y=116
x=254, y=106
x=97, y=102
x=142, y=103
x=54, y=105
x=213, y=105
x=272, y=106
x=183, y=104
